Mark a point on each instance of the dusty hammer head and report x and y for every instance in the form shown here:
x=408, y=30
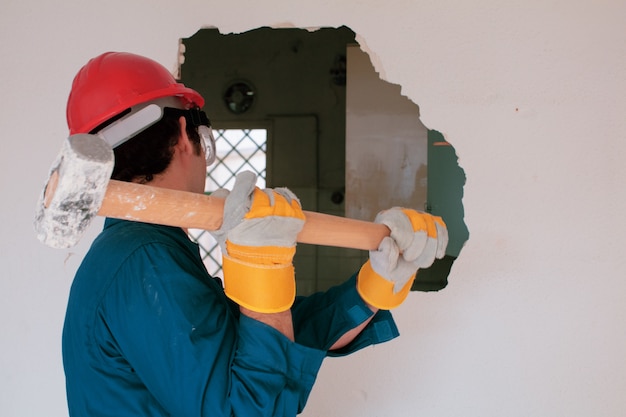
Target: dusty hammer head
x=74, y=191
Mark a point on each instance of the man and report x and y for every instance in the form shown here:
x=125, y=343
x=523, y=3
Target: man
x=149, y=333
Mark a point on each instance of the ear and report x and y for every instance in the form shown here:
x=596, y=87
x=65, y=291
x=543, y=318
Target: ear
x=184, y=143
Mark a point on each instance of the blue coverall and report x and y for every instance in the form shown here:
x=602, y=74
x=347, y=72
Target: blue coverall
x=149, y=333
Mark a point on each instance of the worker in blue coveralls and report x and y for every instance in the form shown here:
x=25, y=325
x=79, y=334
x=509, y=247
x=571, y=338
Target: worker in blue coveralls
x=148, y=332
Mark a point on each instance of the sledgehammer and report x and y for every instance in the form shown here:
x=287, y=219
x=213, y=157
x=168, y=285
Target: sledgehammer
x=79, y=188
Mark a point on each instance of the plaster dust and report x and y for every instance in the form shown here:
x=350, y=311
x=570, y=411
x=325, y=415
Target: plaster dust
x=83, y=168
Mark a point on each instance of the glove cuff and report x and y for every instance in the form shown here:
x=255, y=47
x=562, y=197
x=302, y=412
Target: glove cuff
x=261, y=288
x=261, y=255
x=377, y=291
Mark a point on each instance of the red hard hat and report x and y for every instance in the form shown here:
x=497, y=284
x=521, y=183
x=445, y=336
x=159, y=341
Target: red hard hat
x=115, y=81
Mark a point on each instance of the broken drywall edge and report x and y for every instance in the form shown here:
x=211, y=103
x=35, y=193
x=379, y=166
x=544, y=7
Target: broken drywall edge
x=376, y=62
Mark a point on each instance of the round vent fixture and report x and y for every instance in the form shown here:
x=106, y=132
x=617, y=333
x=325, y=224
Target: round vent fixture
x=239, y=97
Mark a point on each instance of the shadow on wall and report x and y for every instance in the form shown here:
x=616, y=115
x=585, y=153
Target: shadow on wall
x=300, y=78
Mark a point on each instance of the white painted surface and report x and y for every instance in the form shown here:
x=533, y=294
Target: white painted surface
x=532, y=96
x=386, y=143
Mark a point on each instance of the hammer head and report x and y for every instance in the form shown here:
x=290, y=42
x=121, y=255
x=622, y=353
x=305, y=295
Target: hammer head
x=74, y=191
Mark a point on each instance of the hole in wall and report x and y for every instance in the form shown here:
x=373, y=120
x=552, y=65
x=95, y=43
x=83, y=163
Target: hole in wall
x=345, y=141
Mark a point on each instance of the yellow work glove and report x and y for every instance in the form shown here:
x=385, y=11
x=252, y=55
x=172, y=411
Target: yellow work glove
x=415, y=241
x=258, y=242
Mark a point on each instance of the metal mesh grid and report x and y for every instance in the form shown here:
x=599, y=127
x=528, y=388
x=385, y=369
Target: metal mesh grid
x=237, y=150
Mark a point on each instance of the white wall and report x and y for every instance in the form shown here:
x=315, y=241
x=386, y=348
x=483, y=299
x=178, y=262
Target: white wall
x=532, y=96
x=386, y=143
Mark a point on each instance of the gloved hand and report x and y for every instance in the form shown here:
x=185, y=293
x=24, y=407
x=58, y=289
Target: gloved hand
x=416, y=240
x=258, y=242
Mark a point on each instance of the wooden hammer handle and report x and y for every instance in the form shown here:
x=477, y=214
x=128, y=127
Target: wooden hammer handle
x=130, y=201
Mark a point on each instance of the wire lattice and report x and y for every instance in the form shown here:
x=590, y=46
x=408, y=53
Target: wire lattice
x=237, y=150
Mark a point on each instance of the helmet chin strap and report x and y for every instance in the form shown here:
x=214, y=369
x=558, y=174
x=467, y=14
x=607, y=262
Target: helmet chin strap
x=145, y=115
x=137, y=120
x=125, y=128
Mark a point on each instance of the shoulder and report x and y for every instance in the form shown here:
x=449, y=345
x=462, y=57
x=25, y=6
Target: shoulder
x=121, y=240
x=133, y=250
x=132, y=263
x=126, y=235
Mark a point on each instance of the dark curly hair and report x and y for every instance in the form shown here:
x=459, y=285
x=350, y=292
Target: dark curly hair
x=150, y=152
